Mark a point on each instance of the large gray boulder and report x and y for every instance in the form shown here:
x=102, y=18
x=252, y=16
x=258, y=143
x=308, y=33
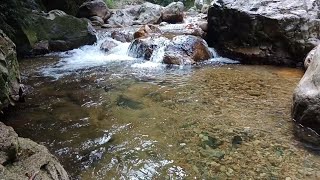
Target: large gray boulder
x=24, y=159
x=173, y=13
x=94, y=8
x=264, y=31
x=9, y=72
x=146, y=13
x=53, y=31
x=306, y=99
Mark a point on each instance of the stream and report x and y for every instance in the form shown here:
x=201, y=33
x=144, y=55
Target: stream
x=110, y=116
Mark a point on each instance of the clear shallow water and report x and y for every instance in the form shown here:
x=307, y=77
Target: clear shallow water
x=115, y=117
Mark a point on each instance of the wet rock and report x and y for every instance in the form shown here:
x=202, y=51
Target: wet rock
x=186, y=49
x=94, y=8
x=264, y=31
x=147, y=31
x=144, y=48
x=24, y=159
x=96, y=21
x=146, y=13
x=126, y=102
x=306, y=104
x=173, y=13
x=108, y=44
x=122, y=36
x=9, y=72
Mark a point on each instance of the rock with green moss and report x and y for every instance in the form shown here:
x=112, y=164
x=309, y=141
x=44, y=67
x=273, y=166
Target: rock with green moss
x=22, y=158
x=9, y=72
x=53, y=31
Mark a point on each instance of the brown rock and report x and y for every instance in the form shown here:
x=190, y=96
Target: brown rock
x=147, y=31
x=186, y=49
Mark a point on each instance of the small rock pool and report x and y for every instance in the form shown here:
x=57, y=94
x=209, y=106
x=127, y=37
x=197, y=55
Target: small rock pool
x=114, y=117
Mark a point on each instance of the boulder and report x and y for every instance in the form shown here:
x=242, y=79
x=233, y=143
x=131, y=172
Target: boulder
x=173, y=13
x=143, y=48
x=183, y=29
x=264, y=31
x=147, y=31
x=22, y=158
x=182, y=49
x=122, y=36
x=94, y=8
x=198, y=4
x=146, y=13
x=96, y=21
x=108, y=44
x=10, y=91
x=306, y=99
x=53, y=31
x=186, y=49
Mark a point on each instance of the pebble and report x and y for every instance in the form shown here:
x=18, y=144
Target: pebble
x=288, y=178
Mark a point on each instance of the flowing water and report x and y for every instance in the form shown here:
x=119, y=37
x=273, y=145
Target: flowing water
x=110, y=116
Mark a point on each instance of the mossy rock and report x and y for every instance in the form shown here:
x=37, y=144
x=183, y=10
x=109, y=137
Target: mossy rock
x=9, y=72
x=59, y=31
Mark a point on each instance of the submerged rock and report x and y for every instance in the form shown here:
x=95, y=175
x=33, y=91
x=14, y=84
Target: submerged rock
x=306, y=100
x=146, y=13
x=54, y=31
x=173, y=13
x=22, y=158
x=10, y=90
x=94, y=8
x=264, y=31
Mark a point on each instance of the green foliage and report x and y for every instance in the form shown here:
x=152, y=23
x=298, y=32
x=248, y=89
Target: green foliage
x=110, y=3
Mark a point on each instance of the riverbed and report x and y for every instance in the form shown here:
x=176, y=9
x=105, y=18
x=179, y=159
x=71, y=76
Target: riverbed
x=110, y=116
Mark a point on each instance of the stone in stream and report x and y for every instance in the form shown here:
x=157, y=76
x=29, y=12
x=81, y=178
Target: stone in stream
x=147, y=31
x=94, y=8
x=173, y=13
x=22, y=158
x=306, y=100
x=186, y=49
x=108, y=44
x=182, y=49
x=122, y=36
x=10, y=90
x=146, y=13
x=96, y=21
x=264, y=31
